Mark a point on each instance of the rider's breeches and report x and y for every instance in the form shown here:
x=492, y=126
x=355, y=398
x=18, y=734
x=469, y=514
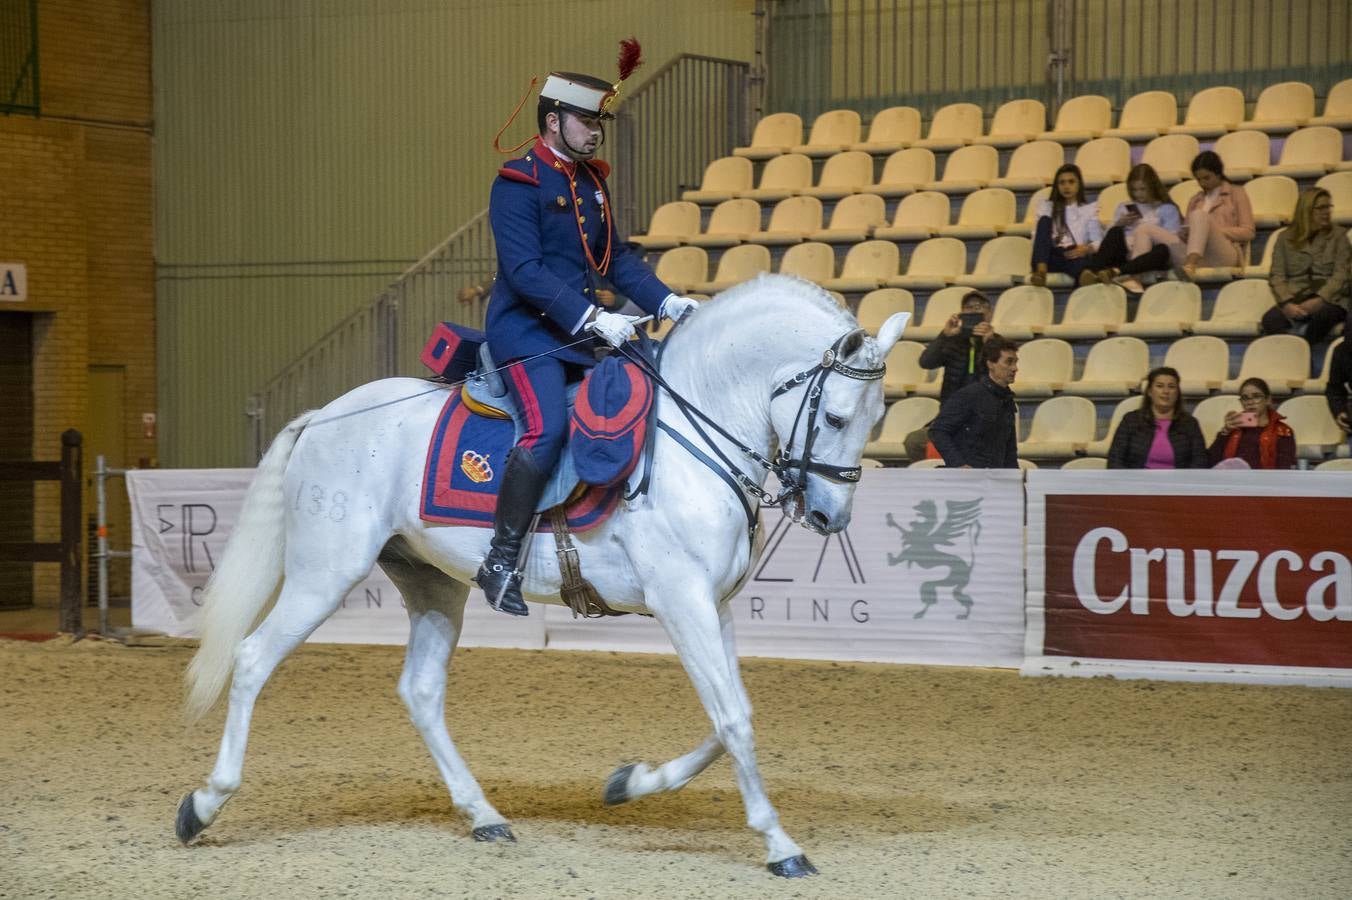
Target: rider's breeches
x=540, y=387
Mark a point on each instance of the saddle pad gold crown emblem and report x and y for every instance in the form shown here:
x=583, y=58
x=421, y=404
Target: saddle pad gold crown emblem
x=476, y=467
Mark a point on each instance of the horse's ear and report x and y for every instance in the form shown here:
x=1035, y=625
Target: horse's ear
x=891, y=331
x=853, y=342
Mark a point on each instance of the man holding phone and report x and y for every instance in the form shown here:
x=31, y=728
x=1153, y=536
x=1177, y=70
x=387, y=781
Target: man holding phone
x=958, y=350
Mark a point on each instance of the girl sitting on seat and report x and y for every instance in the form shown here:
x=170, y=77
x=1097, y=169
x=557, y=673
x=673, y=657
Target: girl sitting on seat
x=1143, y=237
x=1256, y=434
x=1068, y=228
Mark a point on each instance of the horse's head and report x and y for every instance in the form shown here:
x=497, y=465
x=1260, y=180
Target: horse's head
x=823, y=423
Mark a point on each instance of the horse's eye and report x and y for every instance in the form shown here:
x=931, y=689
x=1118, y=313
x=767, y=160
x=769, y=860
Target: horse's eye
x=835, y=421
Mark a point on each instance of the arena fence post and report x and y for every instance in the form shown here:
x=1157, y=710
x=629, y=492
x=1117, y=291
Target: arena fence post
x=72, y=532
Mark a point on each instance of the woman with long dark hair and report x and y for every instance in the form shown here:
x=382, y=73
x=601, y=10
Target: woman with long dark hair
x=1257, y=433
x=1068, y=228
x=1161, y=434
x=1219, y=222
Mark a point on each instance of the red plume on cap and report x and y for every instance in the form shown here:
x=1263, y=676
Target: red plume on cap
x=631, y=57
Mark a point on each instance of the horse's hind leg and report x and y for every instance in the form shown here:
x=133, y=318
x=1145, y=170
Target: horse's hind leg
x=436, y=609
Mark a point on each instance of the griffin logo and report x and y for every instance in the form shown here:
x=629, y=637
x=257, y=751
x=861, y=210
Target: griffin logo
x=926, y=543
x=476, y=467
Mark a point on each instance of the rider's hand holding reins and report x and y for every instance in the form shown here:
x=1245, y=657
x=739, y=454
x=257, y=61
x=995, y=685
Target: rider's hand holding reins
x=676, y=306
x=612, y=328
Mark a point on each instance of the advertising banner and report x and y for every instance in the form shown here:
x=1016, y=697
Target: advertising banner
x=1191, y=574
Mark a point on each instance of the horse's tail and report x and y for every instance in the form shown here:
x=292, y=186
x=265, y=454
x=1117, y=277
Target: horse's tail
x=248, y=577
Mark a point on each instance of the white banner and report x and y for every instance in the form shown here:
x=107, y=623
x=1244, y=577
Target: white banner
x=929, y=571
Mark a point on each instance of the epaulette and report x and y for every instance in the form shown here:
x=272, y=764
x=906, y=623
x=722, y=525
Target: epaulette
x=601, y=166
x=522, y=170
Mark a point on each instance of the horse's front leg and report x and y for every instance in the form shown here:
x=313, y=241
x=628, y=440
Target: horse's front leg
x=692, y=621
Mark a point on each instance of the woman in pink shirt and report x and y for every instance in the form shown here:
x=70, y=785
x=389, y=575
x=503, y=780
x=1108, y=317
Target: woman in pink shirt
x=1218, y=225
x=1161, y=434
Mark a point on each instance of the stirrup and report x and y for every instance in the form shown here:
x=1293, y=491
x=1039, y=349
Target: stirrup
x=504, y=595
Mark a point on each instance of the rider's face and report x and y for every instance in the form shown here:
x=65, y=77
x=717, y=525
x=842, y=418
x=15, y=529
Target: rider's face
x=579, y=135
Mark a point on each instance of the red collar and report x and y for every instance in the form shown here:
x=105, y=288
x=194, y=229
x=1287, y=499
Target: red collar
x=547, y=156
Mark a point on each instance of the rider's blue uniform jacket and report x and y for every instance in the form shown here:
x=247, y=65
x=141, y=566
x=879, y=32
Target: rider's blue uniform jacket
x=540, y=209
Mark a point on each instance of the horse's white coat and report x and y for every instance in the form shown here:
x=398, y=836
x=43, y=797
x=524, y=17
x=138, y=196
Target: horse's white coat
x=322, y=511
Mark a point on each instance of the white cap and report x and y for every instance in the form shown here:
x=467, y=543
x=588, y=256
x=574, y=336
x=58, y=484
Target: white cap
x=585, y=96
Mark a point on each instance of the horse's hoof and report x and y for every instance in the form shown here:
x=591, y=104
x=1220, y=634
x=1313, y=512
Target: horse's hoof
x=617, y=786
x=491, y=833
x=186, y=825
x=793, y=867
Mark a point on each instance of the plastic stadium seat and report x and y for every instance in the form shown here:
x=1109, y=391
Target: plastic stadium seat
x=854, y=219
x=926, y=464
x=919, y=216
x=682, y=268
x=1031, y=166
x=1310, y=153
x=904, y=375
x=876, y=307
x=1183, y=192
x=1099, y=448
x=1045, y=366
x=968, y=169
x=1015, y=123
x=1107, y=200
x=672, y=224
x=1026, y=226
x=737, y=264
x=1026, y=464
x=1171, y=156
x=1114, y=367
x=1244, y=153
x=1167, y=309
x=953, y=126
x=1022, y=312
x=1092, y=313
x=813, y=261
x=1103, y=161
x=1145, y=116
x=1085, y=462
x=843, y=174
x=984, y=214
x=1210, y=413
x=1062, y=427
x=1273, y=198
x=1264, y=267
x=901, y=418
x=1337, y=107
x=840, y=299
x=1202, y=361
x=1081, y=119
x=731, y=222
x=999, y=263
x=1282, y=360
x=939, y=308
x=1238, y=309
x=792, y=220
x=867, y=266
x=774, y=135
x=1339, y=186
x=935, y=263
x=866, y=463
x=1335, y=465
x=892, y=129
x=1282, y=107
x=1212, y=112
x=1317, y=434
x=832, y=131
x=783, y=176
x=1317, y=385
x=906, y=171
x=722, y=179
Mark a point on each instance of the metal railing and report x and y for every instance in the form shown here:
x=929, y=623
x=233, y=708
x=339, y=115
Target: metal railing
x=19, y=57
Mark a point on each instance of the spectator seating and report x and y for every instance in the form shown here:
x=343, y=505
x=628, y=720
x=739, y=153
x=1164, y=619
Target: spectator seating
x=1081, y=119
x=1107, y=200
x=1171, y=156
x=783, y=176
x=1092, y=313
x=843, y=174
x=919, y=216
x=1182, y=192
x=1062, y=427
x=1115, y=367
x=905, y=376
x=1317, y=434
x=1245, y=154
x=901, y=418
x=1202, y=361
x=1213, y=112
x=1103, y=161
x=1085, y=462
x=1282, y=360
x=1319, y=383
x=1310, y=153
x=1337, y=107
x=1335, y=465
x=984, y=214
x=1166, y=310
x=1339, y=186
x=935, y=263
x=1022, y=312
x=906, y=171
x=1100, y=447
x=1264, y=266
x=791, y=221
x=968, y=169
x=953, y=126
x=682, y=268
x=927, y=464
x=813, y=261
x=1015, y=123
x=737, y=264
x=1238, y=308
x=854, y=219
x=840, y=299
x=1210, y=413
x=832, y=131
x=774, y=134
x=1045, y=366
x=1273, y=198
x=1031, y=166
x=867, y=266
x=672, y=224
x=732, y=222
x=1145, y=116
x=1282, y=107
x=942, y=305
x=999, y=262
x=892, y=129
x=1025, y=227
x=877, y=306
x=723, y=178
x=867, y=463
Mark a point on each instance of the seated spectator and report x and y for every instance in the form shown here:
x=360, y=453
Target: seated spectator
x=975, y=429
x=1256, y=434
x=1218, y=225
x=1311, y=271
x=1068, y=228
x=958, y=350
x=1338, y=392
x=1143, y=236
x=1161, y=434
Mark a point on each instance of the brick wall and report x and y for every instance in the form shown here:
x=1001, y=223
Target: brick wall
x=77, y=212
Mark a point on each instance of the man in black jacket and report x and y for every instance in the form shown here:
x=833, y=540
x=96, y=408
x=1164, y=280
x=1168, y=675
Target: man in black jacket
x=975, y=428
x=958, y=350
x=1340, y=380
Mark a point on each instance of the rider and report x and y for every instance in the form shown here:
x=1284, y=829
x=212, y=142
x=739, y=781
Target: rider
x=556, y=236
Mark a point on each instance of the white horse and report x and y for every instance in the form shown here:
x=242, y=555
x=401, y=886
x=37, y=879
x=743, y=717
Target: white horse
x=679, y=552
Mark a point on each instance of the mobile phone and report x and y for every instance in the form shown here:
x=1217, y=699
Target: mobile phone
x=1133, y=209
x=971, y=320
x=1248, y=420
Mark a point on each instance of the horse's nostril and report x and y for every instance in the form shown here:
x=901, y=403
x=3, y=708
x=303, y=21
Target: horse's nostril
x=818, y=519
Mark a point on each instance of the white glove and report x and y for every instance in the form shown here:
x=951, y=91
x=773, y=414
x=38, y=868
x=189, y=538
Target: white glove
x=675, y=306
x=613, y=328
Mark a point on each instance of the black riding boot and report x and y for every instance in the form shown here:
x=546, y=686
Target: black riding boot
x=522, y=485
